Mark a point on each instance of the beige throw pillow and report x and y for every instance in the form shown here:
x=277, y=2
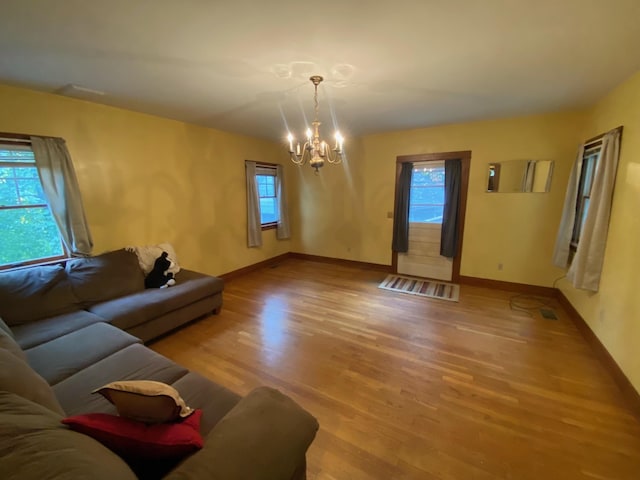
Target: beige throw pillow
x=146, y=400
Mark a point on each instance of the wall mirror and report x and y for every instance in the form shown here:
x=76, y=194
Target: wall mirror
x=518, y=176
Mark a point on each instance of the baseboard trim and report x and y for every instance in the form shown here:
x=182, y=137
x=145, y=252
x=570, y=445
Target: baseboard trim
x=629, y=392
x=508, y=286
x=303, y=256
x=256, y=266
x=341, y=261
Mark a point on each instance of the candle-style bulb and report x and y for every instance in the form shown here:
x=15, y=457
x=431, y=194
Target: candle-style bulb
x=339, y=141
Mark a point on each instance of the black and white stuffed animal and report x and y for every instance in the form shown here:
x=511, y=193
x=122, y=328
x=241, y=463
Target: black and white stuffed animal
x=159, y=277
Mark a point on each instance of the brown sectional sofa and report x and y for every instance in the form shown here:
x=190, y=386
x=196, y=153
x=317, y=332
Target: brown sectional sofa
x=70, y=329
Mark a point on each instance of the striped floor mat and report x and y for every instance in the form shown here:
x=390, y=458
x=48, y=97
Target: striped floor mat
x=424, y=288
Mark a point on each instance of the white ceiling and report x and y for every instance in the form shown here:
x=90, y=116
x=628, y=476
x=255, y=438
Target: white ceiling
x=243, y=65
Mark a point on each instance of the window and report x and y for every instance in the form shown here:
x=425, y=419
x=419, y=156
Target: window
x=266, y=180
x=266, y=202
x=589, y=162
x=426, y=198
x=28, y=231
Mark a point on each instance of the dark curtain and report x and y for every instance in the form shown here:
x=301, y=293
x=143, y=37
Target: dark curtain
x=449, y=236
x=401, y=215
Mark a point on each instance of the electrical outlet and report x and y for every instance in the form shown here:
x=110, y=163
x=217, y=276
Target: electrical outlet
x=389, y=214
x=500, y=266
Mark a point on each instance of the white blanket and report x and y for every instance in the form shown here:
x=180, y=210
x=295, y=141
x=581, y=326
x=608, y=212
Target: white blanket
x=148, y=254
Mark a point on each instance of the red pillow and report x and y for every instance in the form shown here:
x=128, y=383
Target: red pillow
x=133, y=439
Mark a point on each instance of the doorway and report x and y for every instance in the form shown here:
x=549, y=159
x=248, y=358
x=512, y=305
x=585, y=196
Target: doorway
x=426, y=204
x=426, y=208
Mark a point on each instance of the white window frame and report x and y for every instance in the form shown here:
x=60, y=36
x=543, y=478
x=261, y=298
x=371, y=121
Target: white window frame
x=268, y=171
x=590, y=159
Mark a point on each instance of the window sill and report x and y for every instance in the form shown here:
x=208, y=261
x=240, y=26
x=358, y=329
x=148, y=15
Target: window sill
x=269, y=226
x=33, y=263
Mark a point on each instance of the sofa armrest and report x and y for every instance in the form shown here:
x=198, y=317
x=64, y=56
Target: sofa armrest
x=265, y=436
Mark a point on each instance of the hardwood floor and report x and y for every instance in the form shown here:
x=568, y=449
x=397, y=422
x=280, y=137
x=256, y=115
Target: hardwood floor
x=407, y=387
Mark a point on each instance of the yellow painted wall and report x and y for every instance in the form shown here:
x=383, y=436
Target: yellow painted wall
x=328, y=209
x=613, y=313
x=517, y=230
x=145, y=179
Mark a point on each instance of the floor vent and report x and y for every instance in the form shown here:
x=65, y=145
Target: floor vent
x=548, y=314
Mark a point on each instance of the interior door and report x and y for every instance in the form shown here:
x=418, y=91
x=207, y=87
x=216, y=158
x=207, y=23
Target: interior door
x=426, y=203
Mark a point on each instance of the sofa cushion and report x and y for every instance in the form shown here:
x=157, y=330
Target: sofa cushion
x=265, y=436
x=28, y=294
x=134, y=362
x=214, y=400
x=138, y=308
x=5, y=328
x=19, y=378
x=34, y=445
x=145, y=400
x=29, y=335
x=62, y=357
x=171, y=320
x=8, y=343
x=106, y=276
x=138, y=440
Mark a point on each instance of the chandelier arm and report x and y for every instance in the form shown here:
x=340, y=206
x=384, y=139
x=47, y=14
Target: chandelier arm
x=334, y=157
x=305, y=155
x=306, y=151
x=295, y=159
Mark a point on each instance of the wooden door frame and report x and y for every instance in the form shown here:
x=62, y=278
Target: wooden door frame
x=465, y=159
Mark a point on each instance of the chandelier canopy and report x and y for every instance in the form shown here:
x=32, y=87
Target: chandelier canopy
x=314, y=150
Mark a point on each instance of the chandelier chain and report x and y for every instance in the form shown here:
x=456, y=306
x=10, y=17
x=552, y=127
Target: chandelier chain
x=315, y=99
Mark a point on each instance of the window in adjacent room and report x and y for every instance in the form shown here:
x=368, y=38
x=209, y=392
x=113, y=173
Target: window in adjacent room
x=426, y=197
x=28, y=231
x=589, y=163
x=266, y=180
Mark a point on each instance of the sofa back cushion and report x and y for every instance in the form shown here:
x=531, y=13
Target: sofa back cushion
x=103, y=277
x=8, y=343
x=34, y=293
x=5, y=328
x=18, y=377
x=34, y=445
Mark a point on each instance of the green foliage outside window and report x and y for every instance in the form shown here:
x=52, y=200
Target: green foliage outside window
x=28, y=230
x=28, y=234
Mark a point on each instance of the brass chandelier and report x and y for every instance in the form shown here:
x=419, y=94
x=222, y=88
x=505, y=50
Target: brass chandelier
x=314, y=150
